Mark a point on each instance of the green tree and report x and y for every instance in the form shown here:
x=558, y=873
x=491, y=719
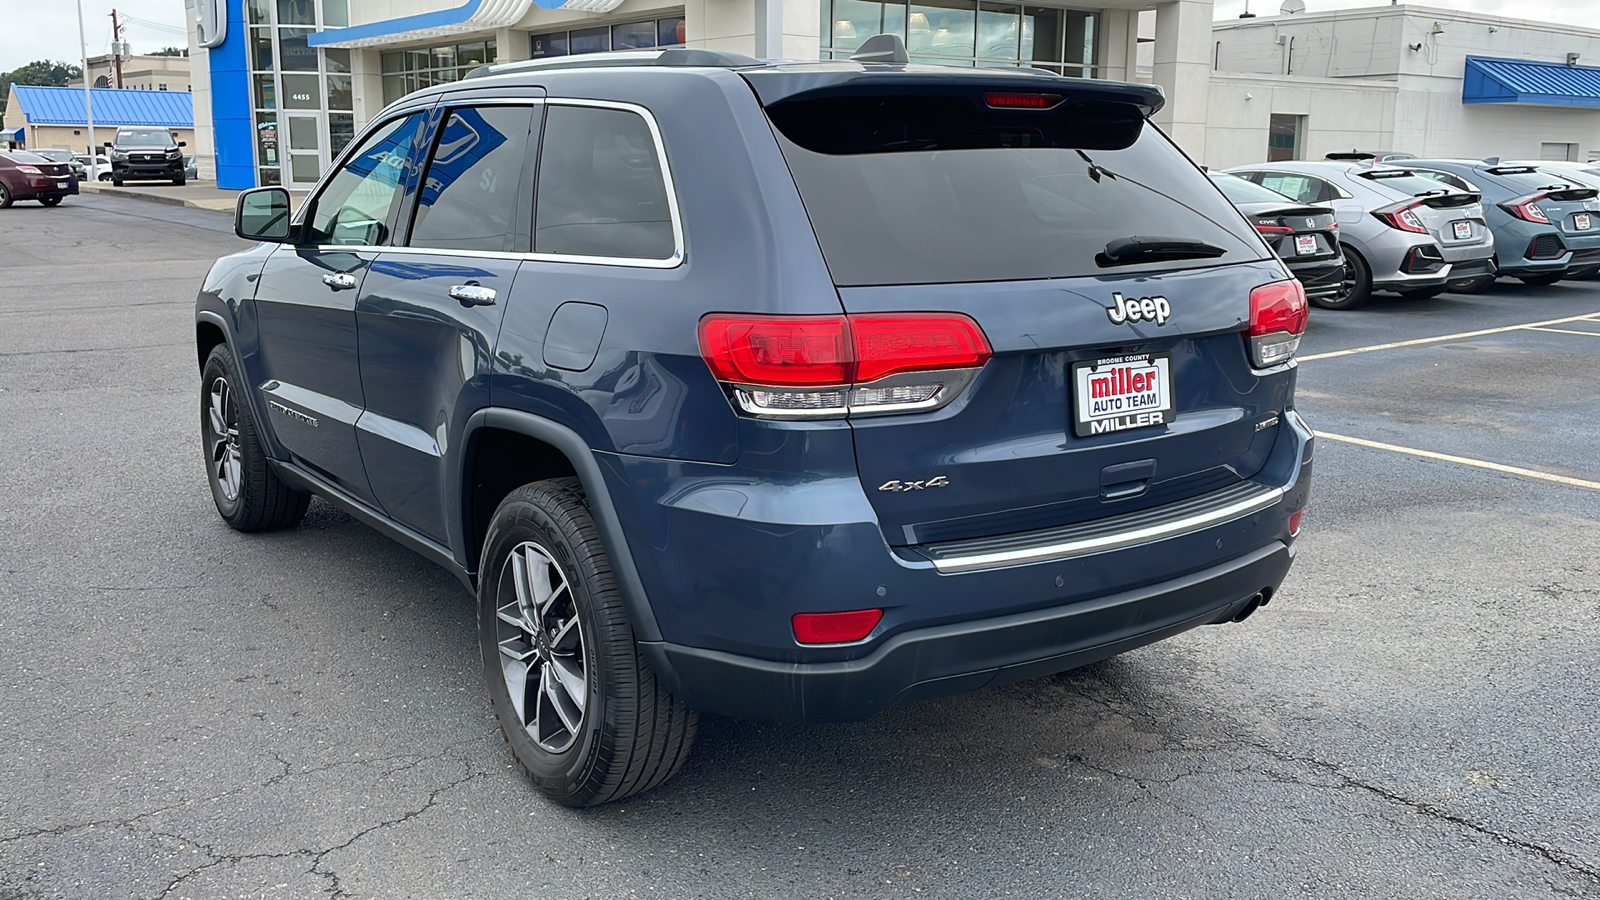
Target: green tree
x=169, y=51
x=40, y=71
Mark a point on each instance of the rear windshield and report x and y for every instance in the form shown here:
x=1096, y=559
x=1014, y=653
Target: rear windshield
x=144, y=139
x=25, y=158
x=937, y=190
x=57, y=155
x=1238, y=190
x=1408, y=182
x=1534, y=179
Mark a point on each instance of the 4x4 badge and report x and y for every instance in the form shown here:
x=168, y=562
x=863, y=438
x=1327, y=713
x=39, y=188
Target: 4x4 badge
x=1142, y=309
x=937, y=481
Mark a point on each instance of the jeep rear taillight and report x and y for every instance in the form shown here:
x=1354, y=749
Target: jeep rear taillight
x=1278, y=313
x=812, y=366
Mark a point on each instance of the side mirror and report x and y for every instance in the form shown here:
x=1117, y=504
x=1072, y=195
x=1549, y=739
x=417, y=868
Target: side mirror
x=263, y=214
x=106, y=145
x=183, y=143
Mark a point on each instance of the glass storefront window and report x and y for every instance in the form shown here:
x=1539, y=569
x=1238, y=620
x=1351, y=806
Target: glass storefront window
x=297, y=12
x=259, y=12
x=261, y=56
x=266, y=93
x=302, y=133
x=470, y=56
x=670, y=32
x=967, y=32
x=336, y=60
x=335, y=13
x=633, y=35
x=590, y=40
x=941, y=28
x=266, y=139
x=444, y=57
x=339, y=94
x=305, y=167
x=544, y=45
x=301, y=92
x=341, y=131
x=269, y=177
x=405, y=71
x=296, y=54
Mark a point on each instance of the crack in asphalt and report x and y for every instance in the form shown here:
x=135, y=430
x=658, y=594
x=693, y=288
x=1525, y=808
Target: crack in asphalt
x=1559, y=858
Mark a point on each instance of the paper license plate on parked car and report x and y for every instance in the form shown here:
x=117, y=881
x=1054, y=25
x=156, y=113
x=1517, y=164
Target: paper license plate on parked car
x=1583, y=221
x=1120, y=393
x=1463, y=230
x=1305, y=244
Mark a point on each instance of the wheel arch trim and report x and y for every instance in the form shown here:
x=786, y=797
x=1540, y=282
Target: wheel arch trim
x=577, y=451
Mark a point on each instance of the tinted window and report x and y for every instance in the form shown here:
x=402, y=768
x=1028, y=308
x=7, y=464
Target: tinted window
x=354, y=208
x=600, y=187
x=469, y=194
x=934, y=189
x=25, y=158
x=145, y=137
x=1405, y=181
x=1532, y=178
x=1445, y=178
x=1239, y=190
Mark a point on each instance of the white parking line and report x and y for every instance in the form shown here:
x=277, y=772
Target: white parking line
x=1465, y=461
x=1566, y=331
x=1449, y=337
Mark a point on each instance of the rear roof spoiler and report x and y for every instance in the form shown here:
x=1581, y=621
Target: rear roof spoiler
x=818, y=81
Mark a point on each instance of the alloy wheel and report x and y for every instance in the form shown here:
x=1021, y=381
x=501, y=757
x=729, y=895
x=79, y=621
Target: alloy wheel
x=542, y=657
x=222, y=424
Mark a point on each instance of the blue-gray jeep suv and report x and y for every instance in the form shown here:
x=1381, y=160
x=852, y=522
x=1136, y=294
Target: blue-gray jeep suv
x=784, y=390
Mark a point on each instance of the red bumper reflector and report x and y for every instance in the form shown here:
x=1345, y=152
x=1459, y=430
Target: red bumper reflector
x=836, y=627
x=1294, y=521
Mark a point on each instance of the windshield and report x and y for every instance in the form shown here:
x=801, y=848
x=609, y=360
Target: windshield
x=144, y=138
x=1409, y=182
x=936, y=190
x=1238, y=190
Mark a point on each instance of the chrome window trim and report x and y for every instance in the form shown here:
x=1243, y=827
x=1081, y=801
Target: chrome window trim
x=670, y=262
x=1109, y=542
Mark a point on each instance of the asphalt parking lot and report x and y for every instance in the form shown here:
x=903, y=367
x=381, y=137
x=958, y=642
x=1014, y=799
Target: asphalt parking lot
x=191, y=712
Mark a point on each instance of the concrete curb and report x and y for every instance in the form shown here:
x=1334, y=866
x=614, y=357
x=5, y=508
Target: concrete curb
x=215, y=206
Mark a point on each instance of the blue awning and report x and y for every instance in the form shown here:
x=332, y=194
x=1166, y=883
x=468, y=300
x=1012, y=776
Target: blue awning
x=64, y=106
x=1491, y=80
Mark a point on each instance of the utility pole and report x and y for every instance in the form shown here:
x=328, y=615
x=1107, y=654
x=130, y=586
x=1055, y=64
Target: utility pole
x=88, y=104
x=116, y=46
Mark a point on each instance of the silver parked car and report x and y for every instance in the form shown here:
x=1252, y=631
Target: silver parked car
x=1400, y=232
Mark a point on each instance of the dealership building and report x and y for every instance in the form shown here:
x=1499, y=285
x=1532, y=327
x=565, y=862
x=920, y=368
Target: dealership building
x=281, y=86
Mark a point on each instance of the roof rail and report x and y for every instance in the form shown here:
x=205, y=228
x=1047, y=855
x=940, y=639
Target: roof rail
x=676, y=56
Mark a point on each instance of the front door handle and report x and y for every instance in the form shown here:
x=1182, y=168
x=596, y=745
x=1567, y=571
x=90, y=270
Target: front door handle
x=339, y=281
x=473, y=294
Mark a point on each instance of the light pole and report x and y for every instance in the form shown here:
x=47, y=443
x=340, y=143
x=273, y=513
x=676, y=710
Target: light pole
x=88, y=102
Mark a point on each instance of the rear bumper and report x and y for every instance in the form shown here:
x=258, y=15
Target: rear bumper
x=968, y=656
x=726, y=558
x=1323, y=278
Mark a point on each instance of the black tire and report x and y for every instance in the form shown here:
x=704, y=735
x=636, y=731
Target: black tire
x=1475, y=285
x=630, y=735
x=1357, y=285
x=179, y=181
x=1423, y=293
x=116, y=182
x=1542, y=280
x=5, y=197
x=51, y=201
x=260, y=501
x=104, y=176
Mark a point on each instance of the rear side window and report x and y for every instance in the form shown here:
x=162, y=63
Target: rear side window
x=469, y=194
x=938, y=189
x=601, y=191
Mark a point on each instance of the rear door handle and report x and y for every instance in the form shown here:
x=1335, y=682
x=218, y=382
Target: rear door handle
x=473, y=294
x=339, y=281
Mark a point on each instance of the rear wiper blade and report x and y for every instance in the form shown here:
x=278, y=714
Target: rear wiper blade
x=1151, y=248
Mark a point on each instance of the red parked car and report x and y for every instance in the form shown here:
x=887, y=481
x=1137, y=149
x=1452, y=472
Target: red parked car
x=29, y=176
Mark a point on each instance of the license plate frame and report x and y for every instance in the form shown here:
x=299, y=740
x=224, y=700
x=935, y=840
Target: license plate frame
x=1582, y=221
x=1127, y=404
x=1461, y=229
x=1305, y=244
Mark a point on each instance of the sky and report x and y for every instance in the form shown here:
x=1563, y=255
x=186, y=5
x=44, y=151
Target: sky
x=48, y=29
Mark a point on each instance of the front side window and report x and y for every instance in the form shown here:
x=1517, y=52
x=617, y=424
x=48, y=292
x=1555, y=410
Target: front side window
x=601, y=190
x=353, y=210
x=469, y=195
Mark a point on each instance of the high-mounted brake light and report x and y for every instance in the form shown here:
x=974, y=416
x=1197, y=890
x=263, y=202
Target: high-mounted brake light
x=791, y=366
x=1278, y=313
x=1403, y=218
x=1527, y=208
x=1012, y=100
